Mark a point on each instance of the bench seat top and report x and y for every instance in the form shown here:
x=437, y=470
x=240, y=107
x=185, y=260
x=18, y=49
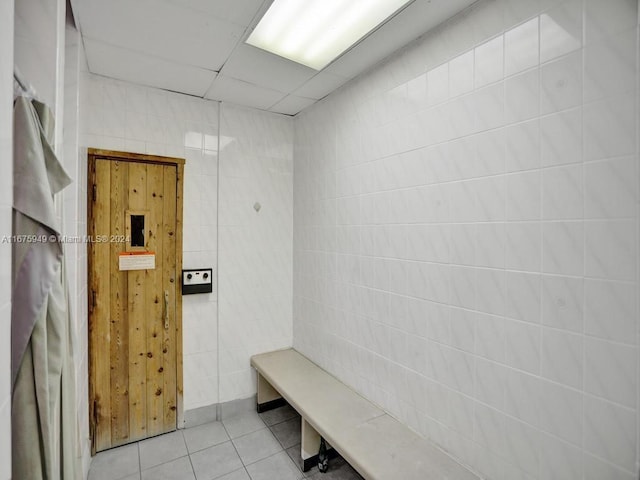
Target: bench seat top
x=374, y=443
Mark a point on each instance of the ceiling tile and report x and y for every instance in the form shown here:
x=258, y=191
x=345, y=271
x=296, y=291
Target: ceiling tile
x=259, y=67
x=181, y=44
x=290, y=105
x=161, y=29
x=240, y=12
x=362, y=56
x=143, y=69
x=321, y=85
x=242, y=93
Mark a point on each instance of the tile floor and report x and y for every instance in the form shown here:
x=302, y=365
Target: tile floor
x=244, y=447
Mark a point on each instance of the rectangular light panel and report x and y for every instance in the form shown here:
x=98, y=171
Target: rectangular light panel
x=314, y=32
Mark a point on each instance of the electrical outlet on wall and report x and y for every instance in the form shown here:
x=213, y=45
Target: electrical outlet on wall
x=197, y=281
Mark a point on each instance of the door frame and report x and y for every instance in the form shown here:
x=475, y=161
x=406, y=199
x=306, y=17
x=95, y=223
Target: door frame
x=94, y=154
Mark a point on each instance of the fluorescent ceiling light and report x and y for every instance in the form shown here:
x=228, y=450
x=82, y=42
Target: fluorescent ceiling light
x=314, y=32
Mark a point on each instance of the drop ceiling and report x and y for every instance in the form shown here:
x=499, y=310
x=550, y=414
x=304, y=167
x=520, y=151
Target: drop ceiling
x=197, y=47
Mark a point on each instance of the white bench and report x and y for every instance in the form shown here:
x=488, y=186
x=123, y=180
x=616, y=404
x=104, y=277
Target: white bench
x=374, y=443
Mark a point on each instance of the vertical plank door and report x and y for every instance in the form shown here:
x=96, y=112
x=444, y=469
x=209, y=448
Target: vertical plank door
x=135, y=383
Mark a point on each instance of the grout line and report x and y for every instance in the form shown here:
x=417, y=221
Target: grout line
x=193, y=470
x=637, y=118
x=250, y=433
x=218, y=160
x=583, y=416
x=235, y=448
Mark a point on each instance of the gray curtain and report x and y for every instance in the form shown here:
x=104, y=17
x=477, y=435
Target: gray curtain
x=44, y=413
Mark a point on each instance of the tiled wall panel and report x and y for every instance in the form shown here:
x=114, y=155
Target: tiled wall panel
x=74, y=225
x=6, y=199
x=465, y=237
x=256, y=242
x=36, y=48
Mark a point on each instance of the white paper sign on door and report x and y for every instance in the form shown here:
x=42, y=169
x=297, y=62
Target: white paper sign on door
x=137, y=261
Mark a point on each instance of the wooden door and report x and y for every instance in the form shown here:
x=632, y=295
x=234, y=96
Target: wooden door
x=135, y=334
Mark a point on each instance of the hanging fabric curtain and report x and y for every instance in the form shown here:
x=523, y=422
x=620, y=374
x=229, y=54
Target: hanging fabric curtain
x=44, y=416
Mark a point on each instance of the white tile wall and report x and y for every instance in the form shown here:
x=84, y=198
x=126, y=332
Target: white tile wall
x=465, y=240
x=251, y=252
x=36, y=55
x=74, y=225
x=6, y=122
x=255, y=249
x=6, y=199
x=128, y=117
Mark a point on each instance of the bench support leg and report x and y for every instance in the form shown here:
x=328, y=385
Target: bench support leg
x=268, y=397
x=310, y=446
